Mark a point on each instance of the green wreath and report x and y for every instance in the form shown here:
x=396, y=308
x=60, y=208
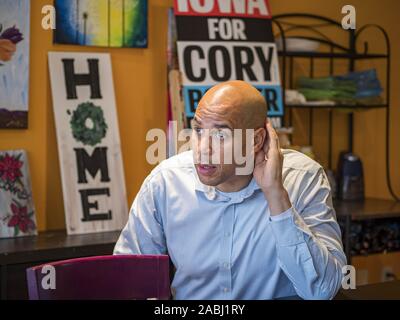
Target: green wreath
x=88, y=124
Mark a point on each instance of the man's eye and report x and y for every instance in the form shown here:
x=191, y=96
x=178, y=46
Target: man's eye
x=199, y=131
x=221, y=135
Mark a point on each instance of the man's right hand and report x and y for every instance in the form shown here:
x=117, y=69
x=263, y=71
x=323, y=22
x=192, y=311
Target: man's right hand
x=7, y=50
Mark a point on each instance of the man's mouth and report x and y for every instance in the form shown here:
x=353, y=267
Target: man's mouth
x=206, y=169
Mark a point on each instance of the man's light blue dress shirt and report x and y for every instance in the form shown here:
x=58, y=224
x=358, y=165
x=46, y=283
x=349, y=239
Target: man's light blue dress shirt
x=226, y=245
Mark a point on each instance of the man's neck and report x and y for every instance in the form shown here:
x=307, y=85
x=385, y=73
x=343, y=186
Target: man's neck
x=236, y=184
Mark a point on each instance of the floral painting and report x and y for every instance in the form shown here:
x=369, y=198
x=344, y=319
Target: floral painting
x=14, y=63
x=104, y=23
x=17, y=213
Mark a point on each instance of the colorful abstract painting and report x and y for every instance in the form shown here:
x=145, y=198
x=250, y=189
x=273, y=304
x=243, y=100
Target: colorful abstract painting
x=104, y=23
x=14, y=63
x=17, y=212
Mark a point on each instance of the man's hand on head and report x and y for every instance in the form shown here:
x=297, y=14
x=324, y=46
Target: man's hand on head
x=268, y=173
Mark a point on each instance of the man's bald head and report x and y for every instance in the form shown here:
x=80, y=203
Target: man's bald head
x=235, y=101
x=224, y=109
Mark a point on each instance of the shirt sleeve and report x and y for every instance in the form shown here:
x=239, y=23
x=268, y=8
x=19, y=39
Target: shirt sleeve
x=143, y=233
x=308, y=241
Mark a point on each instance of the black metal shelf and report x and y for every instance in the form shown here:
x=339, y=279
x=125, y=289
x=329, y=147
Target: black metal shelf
x=298, y=25
x=350, y=211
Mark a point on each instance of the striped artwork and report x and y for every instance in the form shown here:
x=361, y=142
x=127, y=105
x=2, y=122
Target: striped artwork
x=104, y=23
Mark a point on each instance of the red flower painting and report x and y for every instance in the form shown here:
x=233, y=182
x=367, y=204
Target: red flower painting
x=10, y=169
x=21, y=219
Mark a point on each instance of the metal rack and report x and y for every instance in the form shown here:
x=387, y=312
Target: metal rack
x=298, y=24
x=290, y=25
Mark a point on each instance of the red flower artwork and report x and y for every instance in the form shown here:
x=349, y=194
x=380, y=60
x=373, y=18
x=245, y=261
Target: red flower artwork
x=20, y=219
x=10, y=168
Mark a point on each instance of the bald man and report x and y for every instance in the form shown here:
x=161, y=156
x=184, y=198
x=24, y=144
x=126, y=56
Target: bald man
x=264, y=234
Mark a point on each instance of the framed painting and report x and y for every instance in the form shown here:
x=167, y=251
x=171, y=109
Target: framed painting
x=104, y=23
x=14, y=63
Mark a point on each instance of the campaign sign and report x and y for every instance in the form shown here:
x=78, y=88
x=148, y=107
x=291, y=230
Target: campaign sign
x=222, y=40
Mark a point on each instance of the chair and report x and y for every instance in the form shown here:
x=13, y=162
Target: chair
x=102, y=277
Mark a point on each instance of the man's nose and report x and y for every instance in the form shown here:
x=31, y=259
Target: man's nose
x=205, y=145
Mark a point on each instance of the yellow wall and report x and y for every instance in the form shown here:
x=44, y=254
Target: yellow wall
x=140, y=86
x=140, y=83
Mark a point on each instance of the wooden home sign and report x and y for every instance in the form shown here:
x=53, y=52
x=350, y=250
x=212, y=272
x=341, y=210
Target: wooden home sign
x=88, y=142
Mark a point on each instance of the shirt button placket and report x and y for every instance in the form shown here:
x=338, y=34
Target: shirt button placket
x=226, y=247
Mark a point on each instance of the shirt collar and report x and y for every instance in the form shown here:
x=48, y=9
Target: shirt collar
x=212, y=193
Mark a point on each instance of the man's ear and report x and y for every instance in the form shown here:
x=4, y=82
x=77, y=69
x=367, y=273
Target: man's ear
x=260, y=136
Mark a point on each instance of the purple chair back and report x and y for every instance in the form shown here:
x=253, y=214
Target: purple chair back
x=103, y=277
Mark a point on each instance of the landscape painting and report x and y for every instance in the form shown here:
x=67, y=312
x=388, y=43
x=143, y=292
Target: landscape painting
x=104, y=23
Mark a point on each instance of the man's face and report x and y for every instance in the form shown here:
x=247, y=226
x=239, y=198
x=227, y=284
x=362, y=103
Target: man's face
x=213, y=144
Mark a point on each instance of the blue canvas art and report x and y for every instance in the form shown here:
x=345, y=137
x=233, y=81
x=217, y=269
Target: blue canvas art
x=104, y=23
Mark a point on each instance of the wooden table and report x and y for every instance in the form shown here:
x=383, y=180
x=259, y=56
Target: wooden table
x=367, y=209
x=350, y=211
x=16, y=255
x=379, y=291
